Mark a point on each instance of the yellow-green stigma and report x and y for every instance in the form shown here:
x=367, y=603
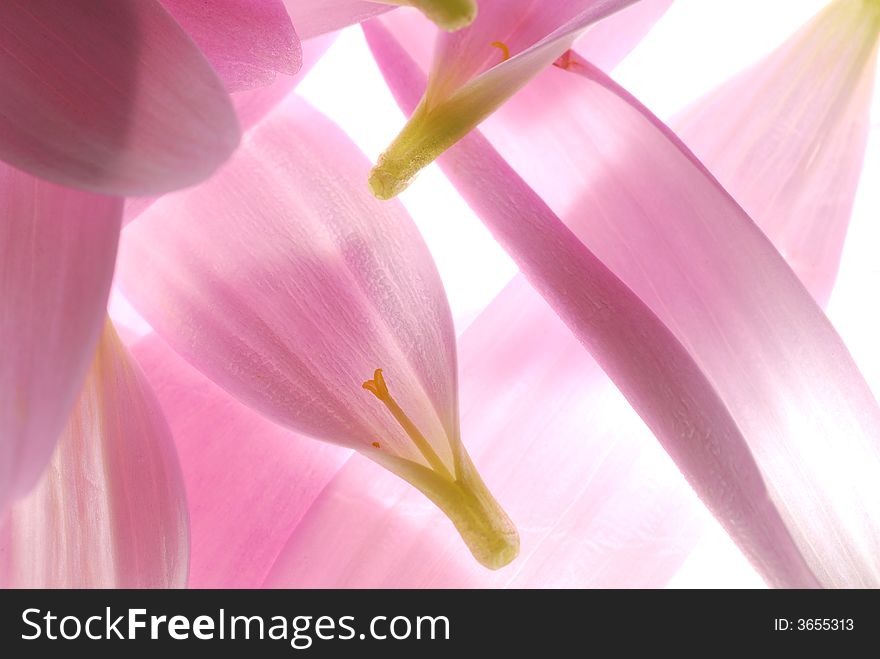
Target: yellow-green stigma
x=423, y=139
x=458, y=491
x=431, y=130
x=450, y=15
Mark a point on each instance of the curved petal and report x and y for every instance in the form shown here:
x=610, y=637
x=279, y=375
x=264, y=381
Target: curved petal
x=297, y=298
x=248, y=481
x=311, y=307
x=247, y=42
x=57, y=248
x=801, y=120
x=108, y=96
x=699, y=322
x=607, y=42
x=110, y=511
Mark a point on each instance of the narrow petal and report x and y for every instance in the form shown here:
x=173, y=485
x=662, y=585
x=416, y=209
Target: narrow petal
x=110, y=511
x=57, y=248
x=247, y=42
x=476, y=70
x=598, y=503
x=800, y=118
x=248, y=481
x=107, y=96
x=316, y=305
x=697, y=319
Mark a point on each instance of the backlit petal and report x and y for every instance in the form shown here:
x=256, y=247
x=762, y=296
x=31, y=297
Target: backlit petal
x=57, y=248
x=697, y=319
x=110, y=510
x=107, y=96
x=247, y=42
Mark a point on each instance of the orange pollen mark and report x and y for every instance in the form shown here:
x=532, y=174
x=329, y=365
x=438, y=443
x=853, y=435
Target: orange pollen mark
x=569, y=61
x=377, y=445
x=500, y=45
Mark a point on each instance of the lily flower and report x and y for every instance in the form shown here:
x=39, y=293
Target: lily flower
x=317, y=306
x=238, y=529
x=670, y=329
x=110, y=510
x=631, y=521
x=320, y=308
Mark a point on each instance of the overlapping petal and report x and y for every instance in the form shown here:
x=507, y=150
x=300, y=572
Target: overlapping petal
x=252, y=105
x=247, y=42
x=249, y=482
x=783, y=446
x=291, y=287
x=111, y=97
x=57, y=248
x=110, y=510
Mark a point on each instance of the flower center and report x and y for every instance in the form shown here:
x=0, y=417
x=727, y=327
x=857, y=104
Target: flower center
x=379, y=389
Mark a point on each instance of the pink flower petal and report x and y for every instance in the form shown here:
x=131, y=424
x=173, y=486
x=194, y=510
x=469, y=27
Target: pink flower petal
x=800, y=118
x=108, y=96
x=598, y=503
x=247, y=42
x=110, y=510
x=57, y=248
x=697, y=319
x=252, y=105
x=314, y=17
x=296, y=298
x=607, y=42
x=248, y=481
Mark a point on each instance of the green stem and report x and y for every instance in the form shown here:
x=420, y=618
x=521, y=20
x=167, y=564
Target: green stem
x=482, y=523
